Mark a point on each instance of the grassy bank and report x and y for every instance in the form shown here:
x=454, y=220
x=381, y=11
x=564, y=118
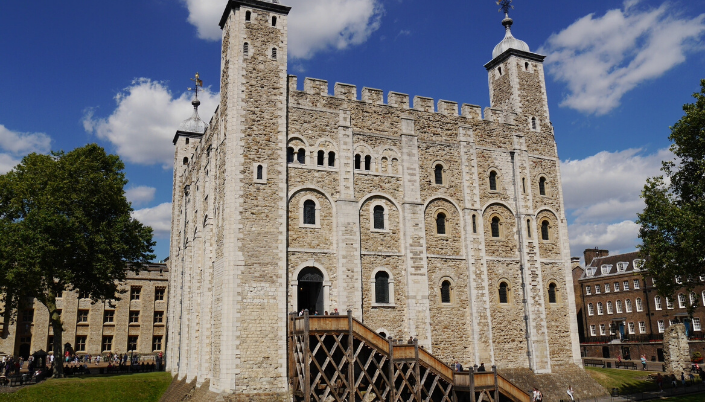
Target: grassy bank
x=135, y=387
x=627, y=381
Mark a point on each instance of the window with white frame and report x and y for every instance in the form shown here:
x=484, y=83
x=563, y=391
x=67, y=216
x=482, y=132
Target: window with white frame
x=622, y=266
x=679, y=280
x=630, y=327
x=696, y=324
x=638, y=264
x=605, y=269
x=625, y=285
x=597, y=289
x=592, y=330
x=657, y=302
x=613, y=327
x=588, y=290
x=642, y=327
x=616, y=286
x=590, y=272
x=607, y=287
x=653, y=281
x=628, y=305
x=681, y=300
x=661, y=326
x=693, y=299
x=602, y=330
x=639, y=305
x=609, y=308
x=600, y=309
x=669, y=303
x=703, y=297
x=702, y=278
x=619, y=307
x=591, y=309
x=637, y=284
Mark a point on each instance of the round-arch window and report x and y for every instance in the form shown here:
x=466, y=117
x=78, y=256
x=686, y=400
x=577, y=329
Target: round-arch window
x=503, y=293
x=381, y=287
x=331, y=159
x=544, y=230
x=493, y=180
x=290, y=155
x=185, y=161
x=542, y=186
x=552, y=293
x=301, y=156
x=260, y=172
x=368, y=162
x=309, y=212
x=441, y=223
x=438, y=174
x=495, y=227
x=445, y=292
x=357, y=161
x=378, y=216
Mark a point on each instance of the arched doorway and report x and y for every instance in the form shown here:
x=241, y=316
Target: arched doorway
x=310, y=291
x=24, y=350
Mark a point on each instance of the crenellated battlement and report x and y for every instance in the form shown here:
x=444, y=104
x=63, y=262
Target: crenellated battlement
x=318, y=87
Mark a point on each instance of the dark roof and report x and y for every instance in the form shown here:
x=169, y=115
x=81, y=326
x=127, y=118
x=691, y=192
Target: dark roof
x=612, y=260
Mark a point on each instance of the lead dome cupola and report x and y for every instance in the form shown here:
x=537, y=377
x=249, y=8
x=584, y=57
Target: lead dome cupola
x=509, y=41
x=194, y=124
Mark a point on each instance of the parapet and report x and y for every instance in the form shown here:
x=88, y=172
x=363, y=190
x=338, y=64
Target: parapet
x=423, y=104
x=345, y=91
x=313, y=86
x=374, y=96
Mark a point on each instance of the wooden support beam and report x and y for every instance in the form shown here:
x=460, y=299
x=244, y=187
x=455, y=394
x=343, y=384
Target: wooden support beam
x=307, y=359
x=496, y=387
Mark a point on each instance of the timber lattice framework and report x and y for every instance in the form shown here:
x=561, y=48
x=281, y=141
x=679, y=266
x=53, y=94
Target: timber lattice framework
x=339, y=359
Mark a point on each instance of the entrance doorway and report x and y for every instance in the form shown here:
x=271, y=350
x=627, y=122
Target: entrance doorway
x=310, y=290
x=24, y=350
x=606, y=352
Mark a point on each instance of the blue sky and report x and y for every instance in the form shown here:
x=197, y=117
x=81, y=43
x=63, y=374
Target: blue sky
x=116, y=73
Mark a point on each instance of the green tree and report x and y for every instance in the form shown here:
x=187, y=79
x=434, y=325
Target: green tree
x=65, y=224
x=673, y=222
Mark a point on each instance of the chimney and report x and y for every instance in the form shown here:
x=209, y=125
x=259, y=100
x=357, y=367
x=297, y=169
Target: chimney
x=592, y=253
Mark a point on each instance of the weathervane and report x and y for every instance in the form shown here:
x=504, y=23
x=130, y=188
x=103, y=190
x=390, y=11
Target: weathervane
x=198, y=83
x=505, y=6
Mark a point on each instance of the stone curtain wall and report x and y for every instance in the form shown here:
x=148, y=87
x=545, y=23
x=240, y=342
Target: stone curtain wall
x=676, y=352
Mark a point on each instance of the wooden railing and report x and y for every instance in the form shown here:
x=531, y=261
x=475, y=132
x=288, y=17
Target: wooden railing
x=326, y=351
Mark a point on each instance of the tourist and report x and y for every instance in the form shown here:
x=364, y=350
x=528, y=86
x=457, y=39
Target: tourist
x=482, y=369
x=683, y=378
x=325, y=312
x=643, y=362
x=458, y=366
x=335, y=312
x=659, y=381
x=410, y=341
x=674, y=382
x=537, y=395
x=570, y=393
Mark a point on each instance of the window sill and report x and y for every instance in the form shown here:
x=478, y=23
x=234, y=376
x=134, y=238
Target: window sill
x=110, y=324
x=158, y=324
x=383, y=305
x=82, y=324
x=260, y=181
x=134, y=324
x=380, y=231
x=306, y=226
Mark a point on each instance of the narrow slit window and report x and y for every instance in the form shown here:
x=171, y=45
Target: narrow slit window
x=368, y=162
x=321, y=158
x=248, y=16
x=474, y=224
x=526, y=66
x=542, y=186
x=533, y=123
x=290, y=155
x=246, y=48
x=544, y=230
x=441, y=224
x=301, y=156
x=438, y=174
x=445, y=292
x=493, y=180
x=274, y=21
x=523, y=184
x=309, y=212
x=378, y=216
x=552, y=293
x=500, y=70
x=495, y=227
x=503, y=293
x=260, y=172
x=528, y=227
x=331, y=159
x=274, y=53
x=357, y=161
x=381, y=287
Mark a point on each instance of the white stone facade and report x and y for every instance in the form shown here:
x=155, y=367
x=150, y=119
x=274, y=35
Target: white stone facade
x=241, y=240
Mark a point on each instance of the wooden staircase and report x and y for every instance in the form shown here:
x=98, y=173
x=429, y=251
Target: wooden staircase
x=339, y=359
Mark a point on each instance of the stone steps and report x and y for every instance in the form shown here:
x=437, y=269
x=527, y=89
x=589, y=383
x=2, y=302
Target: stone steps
x=554, y=385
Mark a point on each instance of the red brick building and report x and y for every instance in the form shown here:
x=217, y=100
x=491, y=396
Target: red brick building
x=621, y=314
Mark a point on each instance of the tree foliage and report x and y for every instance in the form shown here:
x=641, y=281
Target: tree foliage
x=673, y=222
x=65, y=224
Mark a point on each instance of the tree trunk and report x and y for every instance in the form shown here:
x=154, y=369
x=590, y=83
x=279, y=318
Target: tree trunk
x=57, y=326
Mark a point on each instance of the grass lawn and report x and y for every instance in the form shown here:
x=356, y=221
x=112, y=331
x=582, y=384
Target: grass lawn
x=689, y=398
x=135, y=387
x=627, y=381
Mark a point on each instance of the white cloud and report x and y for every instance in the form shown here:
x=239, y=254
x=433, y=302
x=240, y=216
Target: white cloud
x=140, y=195
x=143, y=124
x=158, y=218
x=314, y=25
x=602, y=196
x=602, y=58
x=17, y=144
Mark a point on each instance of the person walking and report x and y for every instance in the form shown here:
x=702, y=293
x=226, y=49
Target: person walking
x=643, y=362
x=570, y=393
x=659, y=381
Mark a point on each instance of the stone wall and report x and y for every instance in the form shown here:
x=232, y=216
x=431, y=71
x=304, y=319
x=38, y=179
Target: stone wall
x=676, y=351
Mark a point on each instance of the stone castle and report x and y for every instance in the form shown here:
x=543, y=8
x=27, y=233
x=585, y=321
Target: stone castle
x=424, y=222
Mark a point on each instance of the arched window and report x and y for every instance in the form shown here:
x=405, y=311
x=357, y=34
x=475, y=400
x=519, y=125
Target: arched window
x=552, y=293
x=331, y=159
x=542, y=186
x=609, y=308
x=246, y=48
x=438, y=174
x=274, y=53
x=445, y=292
x=503, y=293
x=309, y=212
x=544, y=230
x=290, y=155
x=639, y=304
x=274, y=21
x=187, y=140
x=528, y=227
x=495, y=227
x=628, y=305
x=248, y=16
x=321, y=158
x=378, y=215
x=500, y=70
x=260, y=172
x=301, y=156
x=185, y=160
x=381, y=287
x=526, y=66
x=357, y=161
x=368, y=162
x=493, y=180
x=474, y=224
x=619, y=306
x=441, y=223
x=533, y=123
